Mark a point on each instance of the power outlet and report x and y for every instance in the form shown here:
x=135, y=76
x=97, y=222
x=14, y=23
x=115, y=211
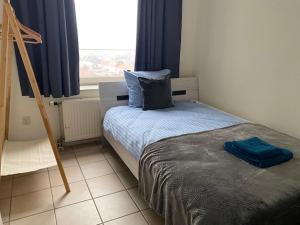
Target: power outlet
x=26, y=120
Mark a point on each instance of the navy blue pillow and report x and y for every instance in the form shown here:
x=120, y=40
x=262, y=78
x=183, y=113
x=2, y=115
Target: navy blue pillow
x=157, y=94
x=134, y=89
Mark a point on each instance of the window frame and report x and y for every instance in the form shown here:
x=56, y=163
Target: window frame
x=95, y=71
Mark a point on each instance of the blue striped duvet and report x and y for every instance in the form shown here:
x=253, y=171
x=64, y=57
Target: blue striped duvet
x=135, y=128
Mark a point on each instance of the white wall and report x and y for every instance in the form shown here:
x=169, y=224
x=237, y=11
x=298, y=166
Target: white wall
x=249, y=64
x=190, y=24
x=24, y=106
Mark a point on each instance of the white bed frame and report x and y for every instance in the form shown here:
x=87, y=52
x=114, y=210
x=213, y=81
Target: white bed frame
x=116, y=94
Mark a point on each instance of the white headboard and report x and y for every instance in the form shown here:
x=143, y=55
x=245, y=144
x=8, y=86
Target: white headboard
x=116, y=93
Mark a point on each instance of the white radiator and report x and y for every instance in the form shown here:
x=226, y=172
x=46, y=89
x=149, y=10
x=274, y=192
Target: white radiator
x=81, y=119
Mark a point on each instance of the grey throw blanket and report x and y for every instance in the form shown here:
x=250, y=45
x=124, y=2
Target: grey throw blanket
x=191, y=180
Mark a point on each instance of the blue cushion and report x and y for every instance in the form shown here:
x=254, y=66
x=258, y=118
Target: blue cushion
x=133, y=84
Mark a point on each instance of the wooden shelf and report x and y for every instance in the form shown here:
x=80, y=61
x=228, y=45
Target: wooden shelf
x=26, y=156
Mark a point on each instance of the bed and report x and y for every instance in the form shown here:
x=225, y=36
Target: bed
x=185, y=175
x=113, y=94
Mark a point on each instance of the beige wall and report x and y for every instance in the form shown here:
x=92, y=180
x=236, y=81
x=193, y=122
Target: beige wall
x=190, y=24
x=24, y=106
x=249, y=60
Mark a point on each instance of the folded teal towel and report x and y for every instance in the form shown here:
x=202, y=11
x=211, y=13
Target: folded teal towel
x=257, y=148
x=283, y=156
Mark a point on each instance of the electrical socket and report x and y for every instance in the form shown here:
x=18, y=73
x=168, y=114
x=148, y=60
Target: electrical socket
x=26, y=120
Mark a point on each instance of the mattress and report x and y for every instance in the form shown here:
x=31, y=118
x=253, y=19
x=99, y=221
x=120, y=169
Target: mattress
x=135, y=129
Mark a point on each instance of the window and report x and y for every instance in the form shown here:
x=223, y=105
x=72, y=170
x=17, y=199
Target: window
x=107, y=38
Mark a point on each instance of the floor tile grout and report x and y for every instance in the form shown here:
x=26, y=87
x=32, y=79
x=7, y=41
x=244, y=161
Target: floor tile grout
x=72, y=182
x=139, y=210
x=10, y=220
x=11, y=198
x=96, y=176
x=130, y=196
x=85, y=180
x=30, y=192
x=89, y=190
x=53, y=205
x=122, y=216
x=34, y=214
x=87, y=200
x=55, y=186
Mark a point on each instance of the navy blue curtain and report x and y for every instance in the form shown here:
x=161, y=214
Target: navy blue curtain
x=159, y=35
x=56, y=61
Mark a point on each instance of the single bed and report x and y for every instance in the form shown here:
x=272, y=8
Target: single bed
x=135, y=129
x=115, y=94
x=184, y=173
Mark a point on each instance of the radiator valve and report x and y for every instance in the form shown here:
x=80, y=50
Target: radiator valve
x=54, y=103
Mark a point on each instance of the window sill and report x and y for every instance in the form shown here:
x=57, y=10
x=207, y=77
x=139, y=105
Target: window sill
x=91, y=90
x=88, y=87
x=95, y=81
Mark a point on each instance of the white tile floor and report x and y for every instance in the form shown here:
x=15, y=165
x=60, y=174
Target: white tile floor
x=103, y=191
